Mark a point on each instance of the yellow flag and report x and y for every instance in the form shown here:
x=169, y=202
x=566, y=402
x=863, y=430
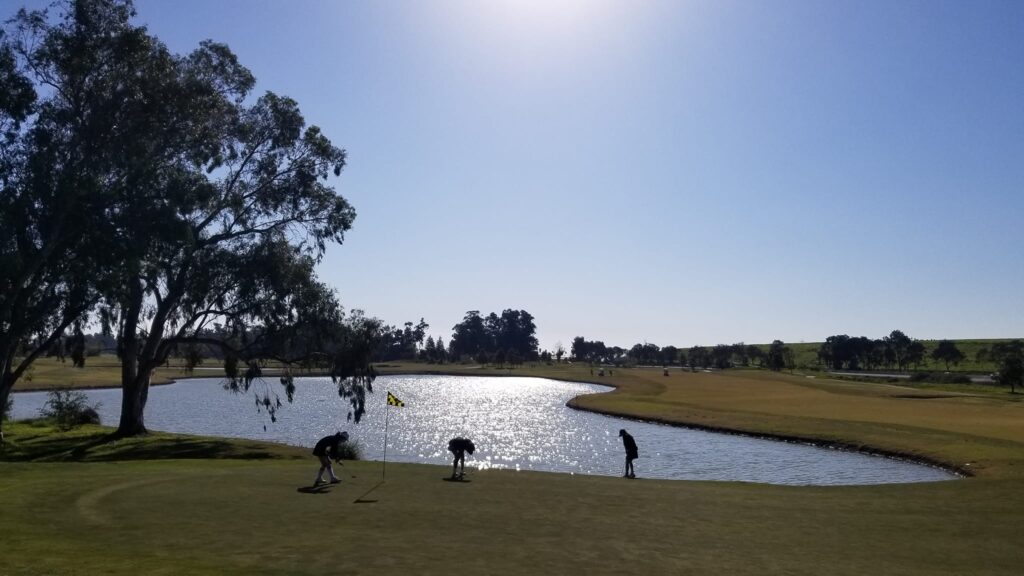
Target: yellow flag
x=394, y=401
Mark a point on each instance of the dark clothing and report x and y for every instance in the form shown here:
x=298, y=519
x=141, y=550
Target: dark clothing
x=631, y=450
x=457, y=445
x=328, y=444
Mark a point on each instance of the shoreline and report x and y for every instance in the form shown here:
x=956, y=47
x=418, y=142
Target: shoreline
x=867, y=450
x=957, y=471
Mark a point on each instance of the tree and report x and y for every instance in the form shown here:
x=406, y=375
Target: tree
x=645, y=353
x=739, y=354
x=699, y=356
x=440, y=351
x=669, y=355
x=916, y=353
x=559, y=351
x=580, y=349
x=755, y=354
x=76, y=344
x=430, y=350
x=721, y=356
x=513, y=330
x=514, y=358
x=57, y=148
x=469, y=336
x=898, y=344
x=215, y=209
x=1009, y=360
x=401, y=343
x=777, y=355
x=789, y=358
x=947, y=351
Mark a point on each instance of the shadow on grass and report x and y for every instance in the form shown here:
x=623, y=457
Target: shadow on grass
x=321, y=489
x=95, y=444
x=363, y=500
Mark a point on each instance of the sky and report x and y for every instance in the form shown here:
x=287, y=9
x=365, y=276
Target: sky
x=675, y=172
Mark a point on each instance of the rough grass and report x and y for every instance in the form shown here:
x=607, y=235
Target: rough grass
x=77, y=504
x=104, y=371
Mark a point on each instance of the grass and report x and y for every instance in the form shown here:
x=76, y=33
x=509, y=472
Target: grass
x=165, y=504
x=104, y=371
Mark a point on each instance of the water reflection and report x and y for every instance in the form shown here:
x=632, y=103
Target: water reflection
x=516, y=423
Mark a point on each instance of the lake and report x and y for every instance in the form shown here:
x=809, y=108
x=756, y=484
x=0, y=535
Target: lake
x=516, y=423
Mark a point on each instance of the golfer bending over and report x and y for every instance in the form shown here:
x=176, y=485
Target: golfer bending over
x=631, y=453
x=329, y=445
x=459, y=447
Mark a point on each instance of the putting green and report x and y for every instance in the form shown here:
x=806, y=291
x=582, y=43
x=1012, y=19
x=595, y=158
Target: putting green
x=74, y=505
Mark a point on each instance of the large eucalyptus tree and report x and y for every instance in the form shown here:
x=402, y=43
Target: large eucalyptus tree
x=201, y=209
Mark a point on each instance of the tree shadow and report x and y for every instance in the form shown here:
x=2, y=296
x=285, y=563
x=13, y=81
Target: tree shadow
x=102, y=446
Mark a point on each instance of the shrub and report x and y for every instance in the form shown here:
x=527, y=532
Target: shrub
x=939, y=378
x=351, y=451
x=68, y=409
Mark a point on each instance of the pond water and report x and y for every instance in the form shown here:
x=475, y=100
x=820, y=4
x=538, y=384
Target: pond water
x=516, y=423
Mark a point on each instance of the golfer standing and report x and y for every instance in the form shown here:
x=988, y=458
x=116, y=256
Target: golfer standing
x=631, y=452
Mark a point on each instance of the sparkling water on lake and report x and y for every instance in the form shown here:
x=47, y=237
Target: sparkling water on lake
x=517, y=423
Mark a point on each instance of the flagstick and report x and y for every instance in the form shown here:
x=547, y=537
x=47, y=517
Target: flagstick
x=384, y=470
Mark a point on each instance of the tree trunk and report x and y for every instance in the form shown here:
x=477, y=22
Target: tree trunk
x=134, y=382
x=5, y=393
x=133, y=407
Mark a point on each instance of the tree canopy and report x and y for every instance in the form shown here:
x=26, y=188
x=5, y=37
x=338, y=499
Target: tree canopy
x=153, y=186
x=476, y=335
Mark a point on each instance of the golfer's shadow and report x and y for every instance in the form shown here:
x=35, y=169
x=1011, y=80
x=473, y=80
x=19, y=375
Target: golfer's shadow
x=321, y=489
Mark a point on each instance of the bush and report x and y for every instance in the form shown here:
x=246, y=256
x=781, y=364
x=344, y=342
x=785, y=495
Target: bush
x=939, y=378
x=68, y=409
x=351, y=451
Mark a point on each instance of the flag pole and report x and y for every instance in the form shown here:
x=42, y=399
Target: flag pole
x=387, y=411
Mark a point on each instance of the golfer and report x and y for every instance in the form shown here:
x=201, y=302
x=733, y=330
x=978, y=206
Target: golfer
x=329, y=447
x=459, y=447
x=631, y=453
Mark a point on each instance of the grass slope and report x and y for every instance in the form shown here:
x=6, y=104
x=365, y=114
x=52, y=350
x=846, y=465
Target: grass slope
x=165, y=504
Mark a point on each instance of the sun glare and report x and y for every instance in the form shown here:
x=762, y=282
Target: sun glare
x=530, y=24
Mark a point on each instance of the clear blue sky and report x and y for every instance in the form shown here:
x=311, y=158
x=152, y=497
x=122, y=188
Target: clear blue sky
x=677, y=172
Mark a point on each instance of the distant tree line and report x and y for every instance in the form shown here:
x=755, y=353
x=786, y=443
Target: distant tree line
x=647, y=354
x=401, y=343
x=510, y=337
x=897, y=351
